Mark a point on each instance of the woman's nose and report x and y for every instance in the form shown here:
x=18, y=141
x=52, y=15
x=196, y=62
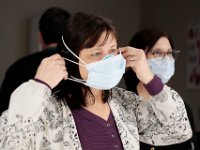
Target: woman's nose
x=105, y=53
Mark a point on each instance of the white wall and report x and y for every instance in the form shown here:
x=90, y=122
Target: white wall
x=15, y=18
x=174, y=18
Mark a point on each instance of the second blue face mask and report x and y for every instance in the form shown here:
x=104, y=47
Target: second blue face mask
x=162, y=68
x=103, y=74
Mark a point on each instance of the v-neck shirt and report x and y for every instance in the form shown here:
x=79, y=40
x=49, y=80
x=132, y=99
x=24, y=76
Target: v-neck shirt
x=95, y=133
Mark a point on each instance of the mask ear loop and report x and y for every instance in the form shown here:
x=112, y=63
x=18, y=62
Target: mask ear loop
x=74, y=62
x=120, y=52
x=72, y=54
x=77, y=80
x=74, y=78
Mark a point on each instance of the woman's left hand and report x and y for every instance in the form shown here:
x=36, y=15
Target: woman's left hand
x=136, y=59
x=52, y=70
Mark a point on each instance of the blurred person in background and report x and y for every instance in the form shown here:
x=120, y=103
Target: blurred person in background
x=51, y=25
x=161, y=56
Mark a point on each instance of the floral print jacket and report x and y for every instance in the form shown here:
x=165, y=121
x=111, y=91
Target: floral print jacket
x=36, y=120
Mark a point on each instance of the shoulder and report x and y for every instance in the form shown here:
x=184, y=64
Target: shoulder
x=124, y=97
x=24, y=61
x=32, y=57
x=120, y=92
x=167, y=90
x=28, y=61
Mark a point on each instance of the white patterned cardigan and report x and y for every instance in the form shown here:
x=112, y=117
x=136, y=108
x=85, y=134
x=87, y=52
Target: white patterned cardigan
x=37, y=121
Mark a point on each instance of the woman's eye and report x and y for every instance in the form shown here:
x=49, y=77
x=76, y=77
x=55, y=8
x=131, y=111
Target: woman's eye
x=113, y=51
x=158, y=53
x=95, y=54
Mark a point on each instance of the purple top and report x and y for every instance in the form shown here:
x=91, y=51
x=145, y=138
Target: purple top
x=155, y=86
x=95, y=133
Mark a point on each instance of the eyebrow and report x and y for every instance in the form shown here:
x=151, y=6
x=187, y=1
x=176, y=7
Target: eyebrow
x=114, y=46
x=110, y=47
x=100, y=47
x=170, y=49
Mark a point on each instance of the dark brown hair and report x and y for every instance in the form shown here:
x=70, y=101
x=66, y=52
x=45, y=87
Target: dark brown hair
x=144, y=39
x=83, y=31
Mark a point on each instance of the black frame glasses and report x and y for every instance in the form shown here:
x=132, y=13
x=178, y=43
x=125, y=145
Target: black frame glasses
x=161, y=54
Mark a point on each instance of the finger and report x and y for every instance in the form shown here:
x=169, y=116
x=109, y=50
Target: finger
x=130, y=63
x=63, y=68
x=55, y=56
x=131, y=58
x=128, y=51
x=65, y=75
x=123, y=49
x=60, y=62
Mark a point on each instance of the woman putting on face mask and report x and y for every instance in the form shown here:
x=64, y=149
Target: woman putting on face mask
x=161, y=56
x=86, y=111
x=99, y=76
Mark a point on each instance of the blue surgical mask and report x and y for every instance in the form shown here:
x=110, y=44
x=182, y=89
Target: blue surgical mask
x=103, y=74
x=163, y=68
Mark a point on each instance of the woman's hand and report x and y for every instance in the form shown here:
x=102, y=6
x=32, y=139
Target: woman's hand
x=136, y=59
x=52, y=70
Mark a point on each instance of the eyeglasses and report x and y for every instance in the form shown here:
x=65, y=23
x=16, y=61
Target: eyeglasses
x=161, y=54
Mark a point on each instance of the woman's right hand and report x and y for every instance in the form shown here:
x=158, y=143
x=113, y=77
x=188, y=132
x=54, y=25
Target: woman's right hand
x=52, y=70
x=136, y=59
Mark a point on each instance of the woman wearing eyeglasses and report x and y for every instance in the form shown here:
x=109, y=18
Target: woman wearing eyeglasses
x=161, y=56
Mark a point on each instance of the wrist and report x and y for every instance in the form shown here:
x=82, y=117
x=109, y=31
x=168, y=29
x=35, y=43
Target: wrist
x=148, y=78
x=42, y=82
x=155, y=86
